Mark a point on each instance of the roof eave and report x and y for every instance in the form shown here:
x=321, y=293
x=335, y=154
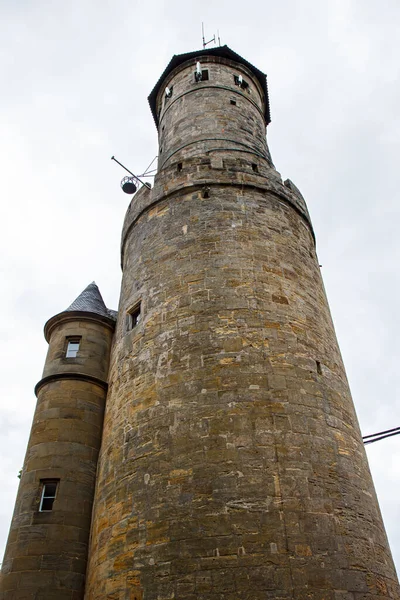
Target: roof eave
x=224, y=52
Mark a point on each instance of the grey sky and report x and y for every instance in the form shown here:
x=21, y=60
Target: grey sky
x=75, y=79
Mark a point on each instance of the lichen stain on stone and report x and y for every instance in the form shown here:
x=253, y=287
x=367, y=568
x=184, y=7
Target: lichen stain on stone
x=179, y=476
x=303, y=550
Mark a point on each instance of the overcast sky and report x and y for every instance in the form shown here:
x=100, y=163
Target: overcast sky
x=75, y=77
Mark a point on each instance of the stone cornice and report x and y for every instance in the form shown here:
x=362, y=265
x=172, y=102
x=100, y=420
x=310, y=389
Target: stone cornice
x=145, y=199
x=75, y=315
x=75, y=376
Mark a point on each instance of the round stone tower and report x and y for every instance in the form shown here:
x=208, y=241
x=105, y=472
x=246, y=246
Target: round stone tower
x=232, y=466
x=47, y=547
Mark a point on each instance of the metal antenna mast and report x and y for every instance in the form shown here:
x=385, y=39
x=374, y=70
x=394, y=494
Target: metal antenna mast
x=204, y=39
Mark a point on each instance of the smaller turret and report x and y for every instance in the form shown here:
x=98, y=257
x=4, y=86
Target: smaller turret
x=49, y=536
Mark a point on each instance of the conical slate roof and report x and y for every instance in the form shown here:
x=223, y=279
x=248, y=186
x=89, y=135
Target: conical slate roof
x=90, y=300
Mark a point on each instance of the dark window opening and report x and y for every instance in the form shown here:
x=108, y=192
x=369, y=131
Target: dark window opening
x=238, y=79
x=49, y=491
x=72, y=347
x=134, y=316
x=206, y=193
x=179, y=167
x=202, y=76
x=233, y=102
x=319, y=369
x=168, y=92
x=254, y=167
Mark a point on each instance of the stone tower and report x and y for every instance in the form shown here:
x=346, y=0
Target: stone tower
x=231, y=463
x=47, y=547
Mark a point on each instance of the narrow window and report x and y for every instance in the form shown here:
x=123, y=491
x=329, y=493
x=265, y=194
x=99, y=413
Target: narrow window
x=72, y=347
x=238, y=79
x=206, y=192
x=201, y=75
x=134, y=316
x=49, y=491
x=179, y=167
x=168, y=92
x=233, y=102
x=319, y=369
x=254, y=167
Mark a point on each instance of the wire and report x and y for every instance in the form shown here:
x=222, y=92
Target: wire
x=147, y=170
x=381, y=435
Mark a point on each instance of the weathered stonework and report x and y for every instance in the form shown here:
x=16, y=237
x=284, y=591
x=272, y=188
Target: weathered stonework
x=46, y=554
x=231, y=465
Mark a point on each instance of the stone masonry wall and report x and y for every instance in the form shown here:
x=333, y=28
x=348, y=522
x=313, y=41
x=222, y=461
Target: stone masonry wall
x=232, y=466
x=199, y=111
x=46, y=554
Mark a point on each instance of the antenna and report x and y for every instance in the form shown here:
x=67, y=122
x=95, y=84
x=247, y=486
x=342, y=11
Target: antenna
x=204, y=39
x=219, y=39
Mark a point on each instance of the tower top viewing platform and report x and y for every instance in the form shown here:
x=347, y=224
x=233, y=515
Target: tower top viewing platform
x=221, y=52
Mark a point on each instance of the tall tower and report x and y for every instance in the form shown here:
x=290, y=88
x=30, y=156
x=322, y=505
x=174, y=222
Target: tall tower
x=232, y=465
x=47, y=547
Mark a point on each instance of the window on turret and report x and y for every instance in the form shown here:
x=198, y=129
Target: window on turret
x=134, y=316
x=168, y=92
x=201, y=75
x=49, y=492
x=238, y=79
x=72, y=347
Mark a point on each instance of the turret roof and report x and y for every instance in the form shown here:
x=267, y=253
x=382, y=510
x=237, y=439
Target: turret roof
x=224, y=52
x=90, y=300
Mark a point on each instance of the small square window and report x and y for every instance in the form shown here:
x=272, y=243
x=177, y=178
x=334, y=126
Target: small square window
x=238, y=79
x=134, y=316
x=233, y=102
x=201, y=76
x=73, y=347
x=254, y=166
x=49, y=491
